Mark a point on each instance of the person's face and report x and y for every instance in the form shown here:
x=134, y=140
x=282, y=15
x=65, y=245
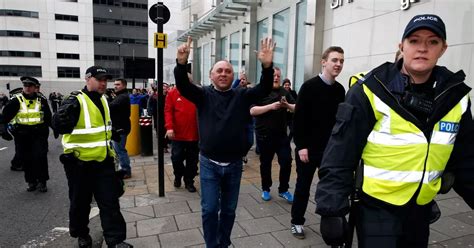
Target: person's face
x=243, y=80
x=421, y=51
x=276, y=78
x=118, y=86
x=97, y=84
x=332, y=66
x=222, y=75
x=29, y=89
x=287, y=86
x=165, y=88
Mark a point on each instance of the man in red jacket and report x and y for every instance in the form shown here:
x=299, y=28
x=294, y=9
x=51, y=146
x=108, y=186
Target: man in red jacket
x=181, y=129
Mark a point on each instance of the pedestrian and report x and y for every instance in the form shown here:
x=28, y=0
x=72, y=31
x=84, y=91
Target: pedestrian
x=289, y=118
x=120, y=115
x=53, y=101
x=181, y=129
x=408, y=127
x=315, y=115
x=222, y=114
x=84, y=120
x=271, y=131
x=30, y=117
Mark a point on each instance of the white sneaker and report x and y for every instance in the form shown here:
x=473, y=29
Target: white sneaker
x=297, y=231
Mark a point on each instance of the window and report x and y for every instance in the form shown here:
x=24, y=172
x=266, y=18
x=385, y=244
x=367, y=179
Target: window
x=262, y=31
x=124, y=40
x=71, y=18
x=106, y=57
x=67, y=55
x=68, y=72
x=22, y=13
x=118, y=22
x=234, y=52
x=20, y=70
x=281, y=27
x=119, y=3
x=67, y=37
x=300, y=45
x=5, y=53
x=206, y=63
x=16, y=33
x=224, y=48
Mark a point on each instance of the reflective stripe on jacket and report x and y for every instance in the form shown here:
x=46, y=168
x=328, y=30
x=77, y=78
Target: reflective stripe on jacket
x=398, y=157
x=30, y=112
x=90, y=138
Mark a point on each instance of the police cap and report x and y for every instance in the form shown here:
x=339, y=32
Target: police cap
x=30, y=81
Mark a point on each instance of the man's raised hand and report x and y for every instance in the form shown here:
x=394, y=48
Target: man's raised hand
x=265, y=55
x=183, y=51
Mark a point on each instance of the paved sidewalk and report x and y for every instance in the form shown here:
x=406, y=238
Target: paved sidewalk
x=175, y=220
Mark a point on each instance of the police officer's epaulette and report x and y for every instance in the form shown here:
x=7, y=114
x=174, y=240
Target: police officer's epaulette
x=14, y=95
x=73, y=94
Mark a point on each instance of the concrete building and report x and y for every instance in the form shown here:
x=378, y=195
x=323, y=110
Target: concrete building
x=368, y=30
x=57, y=40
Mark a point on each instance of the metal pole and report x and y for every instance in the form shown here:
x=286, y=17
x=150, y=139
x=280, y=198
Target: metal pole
x=161, y=135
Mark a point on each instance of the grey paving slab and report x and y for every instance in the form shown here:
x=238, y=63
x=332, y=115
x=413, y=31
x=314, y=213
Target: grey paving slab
x=446, y=212
x=452, y=227
x=195, y=205
x=146, y=211
x=171, y=208
x=283, y=204
x=181, y=238
x=127, y=201
x=156, y=226
x=131, y=230
x=262, y=225
x=456, y=204
x=242, y=214
x=188, y=221
x=149, y=200
x=145, y=242
x=246, y=200
x=265, y=209
x=285, y=219
x=248, y=188
x=238, y=231
x=262, y=241
x=177, y=196
x=448, y=195
x=315, y=228
x=467, y=218
x=132, y=217
x=286, y=238
x=461, y=242
x=436, y=237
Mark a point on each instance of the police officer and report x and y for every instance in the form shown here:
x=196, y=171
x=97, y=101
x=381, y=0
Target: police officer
x=31, y=117
x=409, y=124
x=84, y=120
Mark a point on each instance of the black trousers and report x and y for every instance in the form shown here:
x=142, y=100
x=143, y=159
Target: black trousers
x=32, y=151
x=16, y=161
x=98, y=179
x=268, y=146
x=305, y=173
x=182, y=151
x=392, y=226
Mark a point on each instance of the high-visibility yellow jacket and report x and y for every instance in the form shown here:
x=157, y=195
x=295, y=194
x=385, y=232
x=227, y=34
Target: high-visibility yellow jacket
x=30, y=112
x=91, y=137
x=354, y=78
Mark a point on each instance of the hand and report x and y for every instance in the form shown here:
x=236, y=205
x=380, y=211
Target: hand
x=334, y=230
x=183, y=51
x=265, y=55
x=303, y=153
x=284, y=103
x=169, y=134
x=275, y=106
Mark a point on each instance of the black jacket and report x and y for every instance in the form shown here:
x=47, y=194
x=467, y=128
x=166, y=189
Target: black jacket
x=223, y=116
x=355, y=120
x=120, y=112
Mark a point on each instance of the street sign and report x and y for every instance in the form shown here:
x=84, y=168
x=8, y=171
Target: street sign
x=153, y=13
x=160, y=40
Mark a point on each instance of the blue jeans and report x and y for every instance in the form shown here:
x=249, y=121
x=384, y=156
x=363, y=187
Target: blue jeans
x=122, y=154
x=220, y=187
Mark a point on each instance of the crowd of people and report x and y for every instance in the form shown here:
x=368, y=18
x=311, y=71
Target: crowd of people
x=402, y=134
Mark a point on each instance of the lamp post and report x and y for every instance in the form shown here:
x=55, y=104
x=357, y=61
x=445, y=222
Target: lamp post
x=119, y=43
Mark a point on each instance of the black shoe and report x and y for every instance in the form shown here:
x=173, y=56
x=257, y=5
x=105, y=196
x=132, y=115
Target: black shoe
x=177, y=182
x=31, y=187
x=190, y=188
x=121, y=245
x=85, y=242
x=16, y=168
x=42, y=187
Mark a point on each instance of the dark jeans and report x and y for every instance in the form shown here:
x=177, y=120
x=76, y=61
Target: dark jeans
x=87, y=179
x=305, y=174
x=185, y=151
x=32, y=150
x=268, y=146
x=392, y=226
x=122, y=154
x=220, y=187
